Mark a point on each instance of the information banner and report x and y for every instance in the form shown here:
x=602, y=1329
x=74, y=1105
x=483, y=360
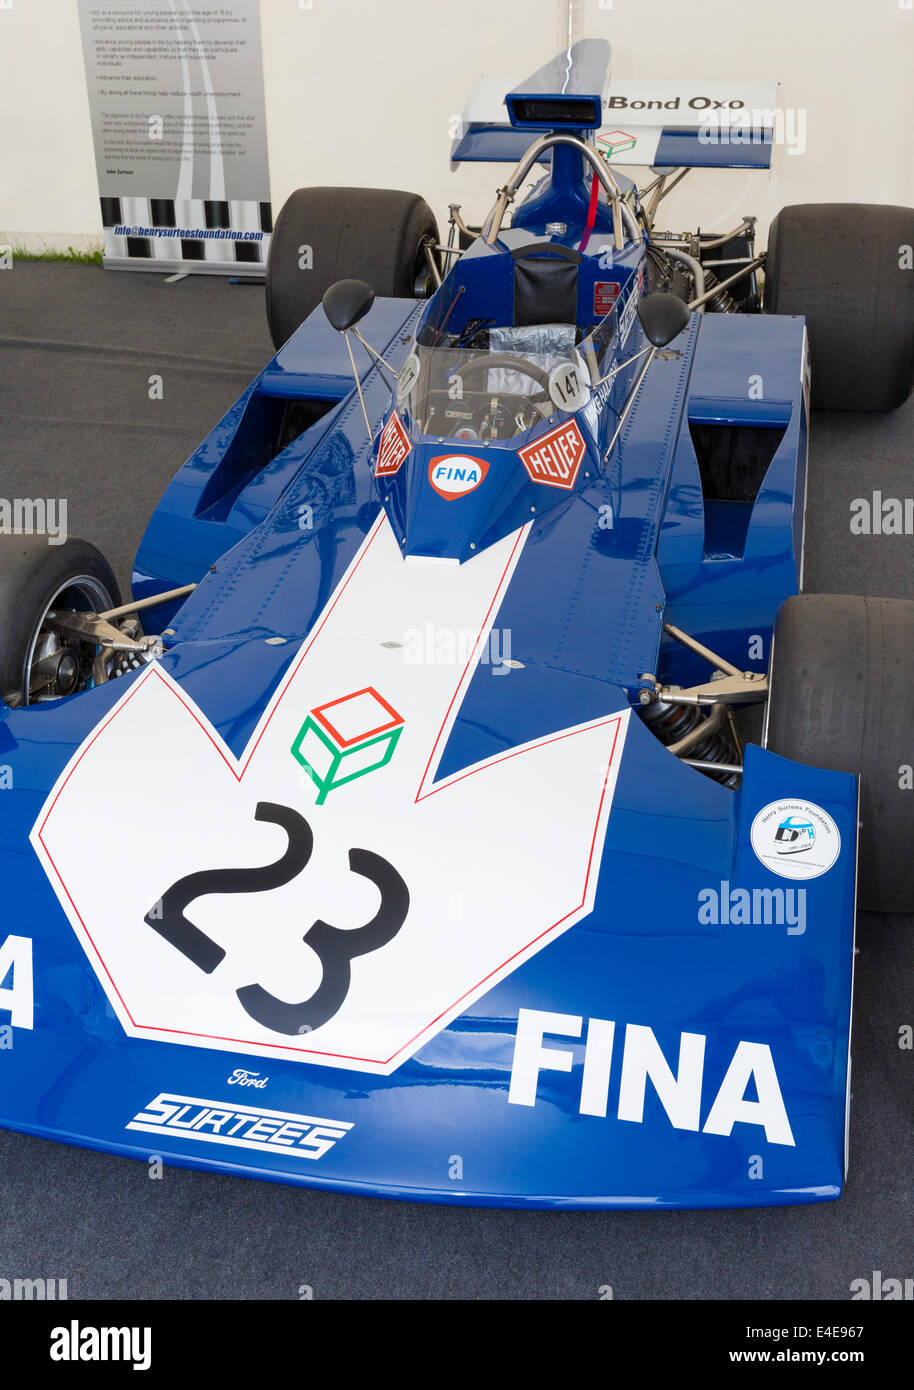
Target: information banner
x=178, y=121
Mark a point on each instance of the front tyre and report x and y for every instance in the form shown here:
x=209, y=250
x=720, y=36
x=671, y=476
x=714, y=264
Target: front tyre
x=37, y=663
x=327, y=234
x=842, y=696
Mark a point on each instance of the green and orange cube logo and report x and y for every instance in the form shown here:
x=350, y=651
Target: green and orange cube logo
x=616, y=142
x=347, y=738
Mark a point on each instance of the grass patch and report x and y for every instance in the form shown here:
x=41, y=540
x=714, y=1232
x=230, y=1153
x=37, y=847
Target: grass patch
x=71, y=255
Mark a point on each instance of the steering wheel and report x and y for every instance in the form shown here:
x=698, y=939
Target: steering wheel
x=510, y=362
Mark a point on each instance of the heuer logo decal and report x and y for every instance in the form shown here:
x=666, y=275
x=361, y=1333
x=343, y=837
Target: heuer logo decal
x=346, y=738
x=239, y=1126
x=454, y=475
x=393, y=447
x=555, y=458
x=259, y=923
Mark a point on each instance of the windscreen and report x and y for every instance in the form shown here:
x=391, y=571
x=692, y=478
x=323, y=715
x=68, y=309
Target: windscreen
x=499, y=383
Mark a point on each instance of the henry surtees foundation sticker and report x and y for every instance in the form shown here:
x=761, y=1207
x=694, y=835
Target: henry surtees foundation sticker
x=795, y=839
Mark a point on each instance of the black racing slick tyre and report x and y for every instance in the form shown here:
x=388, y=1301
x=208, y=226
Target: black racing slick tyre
x=34, y=578
x=842, y=696
x=847, y=268
x=327, y=234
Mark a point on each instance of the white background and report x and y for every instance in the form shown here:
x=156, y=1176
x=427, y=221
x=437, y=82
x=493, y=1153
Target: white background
x=362, y=91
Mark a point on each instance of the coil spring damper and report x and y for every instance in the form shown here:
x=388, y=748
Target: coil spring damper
x=709, y=738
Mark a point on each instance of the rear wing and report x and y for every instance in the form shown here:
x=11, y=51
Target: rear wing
x=670, y=125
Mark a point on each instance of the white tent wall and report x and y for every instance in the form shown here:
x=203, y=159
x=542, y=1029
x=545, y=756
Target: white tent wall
x=48, y=188
x=364, y=92
x=844, y=66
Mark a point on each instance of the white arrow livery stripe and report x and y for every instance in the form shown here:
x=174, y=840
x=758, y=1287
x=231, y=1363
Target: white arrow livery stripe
x=499, y=858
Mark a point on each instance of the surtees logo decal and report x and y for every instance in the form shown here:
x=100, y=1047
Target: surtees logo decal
x=555, y=458
x=346, y=738
x=627, y=317
x=393, y=447
x=240, y=1126
x=679, y=1085
x=454, y=475
x=795, y=839
x=260, y=922
x=604, y=390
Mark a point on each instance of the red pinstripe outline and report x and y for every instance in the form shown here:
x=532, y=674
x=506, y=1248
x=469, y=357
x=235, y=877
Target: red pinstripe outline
x=284, y=1048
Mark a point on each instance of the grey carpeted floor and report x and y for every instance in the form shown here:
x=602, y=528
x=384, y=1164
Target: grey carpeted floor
x=77, y=349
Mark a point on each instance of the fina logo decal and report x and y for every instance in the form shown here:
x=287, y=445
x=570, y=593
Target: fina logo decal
x=795, y=839
x=360, y=736
x=748, y=1093
x=454, y=475
x=240, y=1126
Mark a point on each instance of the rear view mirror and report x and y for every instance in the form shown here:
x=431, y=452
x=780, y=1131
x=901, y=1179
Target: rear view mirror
x=663, y=317
x=346, y=302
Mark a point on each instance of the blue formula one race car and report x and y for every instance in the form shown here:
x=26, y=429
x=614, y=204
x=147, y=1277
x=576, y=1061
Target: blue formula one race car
x=418, y=847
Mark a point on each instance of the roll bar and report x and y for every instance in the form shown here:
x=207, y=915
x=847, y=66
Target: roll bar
x=622, y=213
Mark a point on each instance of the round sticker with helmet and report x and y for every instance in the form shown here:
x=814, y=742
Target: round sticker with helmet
x=795, y=839
x=454, y=475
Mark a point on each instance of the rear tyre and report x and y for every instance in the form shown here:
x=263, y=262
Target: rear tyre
x=842, y=266
x=327, y=234
x=34, y=578
x=842, y=696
